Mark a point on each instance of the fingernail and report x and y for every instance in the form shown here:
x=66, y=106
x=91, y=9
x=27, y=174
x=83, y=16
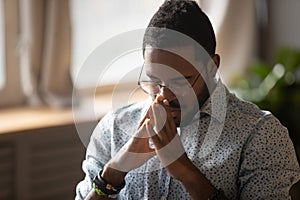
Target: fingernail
x=166, y=102
x=159, y=98
x=147, y=121
x=155, y=129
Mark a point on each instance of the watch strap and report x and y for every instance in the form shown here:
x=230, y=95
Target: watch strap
x=100, y=184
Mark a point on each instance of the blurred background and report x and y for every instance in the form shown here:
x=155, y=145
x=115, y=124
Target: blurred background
x=45, y=43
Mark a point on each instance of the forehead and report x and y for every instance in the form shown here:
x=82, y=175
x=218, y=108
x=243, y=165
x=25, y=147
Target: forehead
x=163, y=60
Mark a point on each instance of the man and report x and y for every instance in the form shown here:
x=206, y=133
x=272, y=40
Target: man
x=193, y=140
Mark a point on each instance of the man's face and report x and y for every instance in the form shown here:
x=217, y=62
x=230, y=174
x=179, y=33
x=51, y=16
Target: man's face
x=185, y=88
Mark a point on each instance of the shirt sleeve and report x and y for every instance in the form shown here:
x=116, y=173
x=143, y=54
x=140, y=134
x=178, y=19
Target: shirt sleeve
x=97, y=154
x=269, y=166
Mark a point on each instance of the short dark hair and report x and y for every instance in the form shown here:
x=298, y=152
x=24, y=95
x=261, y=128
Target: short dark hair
x=184, y=16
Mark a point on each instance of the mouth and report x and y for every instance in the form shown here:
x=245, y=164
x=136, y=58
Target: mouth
x=174, y=106
x=175, y=109
x=175, y=113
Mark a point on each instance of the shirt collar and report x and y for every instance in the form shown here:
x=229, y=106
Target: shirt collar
x=216, y=105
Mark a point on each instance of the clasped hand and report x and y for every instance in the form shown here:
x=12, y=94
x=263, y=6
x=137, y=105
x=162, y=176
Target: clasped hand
x=159, y=126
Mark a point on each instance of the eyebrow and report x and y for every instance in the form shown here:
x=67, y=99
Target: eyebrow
x=173, y=79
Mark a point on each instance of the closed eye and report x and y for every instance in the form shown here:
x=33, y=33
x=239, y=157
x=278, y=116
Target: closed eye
x=153, y=78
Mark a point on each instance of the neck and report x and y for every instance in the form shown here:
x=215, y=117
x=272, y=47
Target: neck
x=202, y=98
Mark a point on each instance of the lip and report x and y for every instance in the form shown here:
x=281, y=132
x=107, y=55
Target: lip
x=175, y=112
x=175, y=109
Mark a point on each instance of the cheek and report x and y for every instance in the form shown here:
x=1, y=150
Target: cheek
x=201, y=90
x=191, y=101
x=190, y=104
x=192, y=96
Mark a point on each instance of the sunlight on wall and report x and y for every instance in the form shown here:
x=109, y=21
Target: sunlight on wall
x=2, y=57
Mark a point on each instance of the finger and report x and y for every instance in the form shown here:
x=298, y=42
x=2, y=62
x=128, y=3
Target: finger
x=169, y=127
x=150, y=113
x=126, y=161
x=152, y=135
x=143, y=119
x=165, y=121
x=152, y=120
x=168, y=112
x=158, y=99
x=141, y=132
x=160, y=117
x=168, y=131
x=149, y=129
x=170, y=124
x=166, y=102
x=155, y=106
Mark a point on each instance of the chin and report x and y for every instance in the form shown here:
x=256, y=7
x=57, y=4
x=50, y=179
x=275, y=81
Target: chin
x=177, y=122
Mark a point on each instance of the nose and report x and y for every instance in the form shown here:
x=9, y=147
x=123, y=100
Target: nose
x=167, y=93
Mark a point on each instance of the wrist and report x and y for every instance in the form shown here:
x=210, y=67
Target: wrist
x=185, y=169
x=196, y=183
x=105, y=189
x=113, y=176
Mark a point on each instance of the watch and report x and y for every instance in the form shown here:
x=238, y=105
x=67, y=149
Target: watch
x=103, y=188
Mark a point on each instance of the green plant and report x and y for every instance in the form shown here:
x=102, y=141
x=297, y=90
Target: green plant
x=276, y=89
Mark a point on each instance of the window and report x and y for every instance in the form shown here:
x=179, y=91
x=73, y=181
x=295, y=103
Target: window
x=35, y=56
x=94, y=22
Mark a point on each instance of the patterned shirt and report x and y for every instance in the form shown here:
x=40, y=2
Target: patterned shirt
x=242, y=150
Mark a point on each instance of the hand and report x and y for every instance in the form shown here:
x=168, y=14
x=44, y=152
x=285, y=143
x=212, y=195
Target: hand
x=135, y=152
x=132, y=155
x=169, y=149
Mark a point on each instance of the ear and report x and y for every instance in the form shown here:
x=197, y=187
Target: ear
x=216, y=59
x=213, y=64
